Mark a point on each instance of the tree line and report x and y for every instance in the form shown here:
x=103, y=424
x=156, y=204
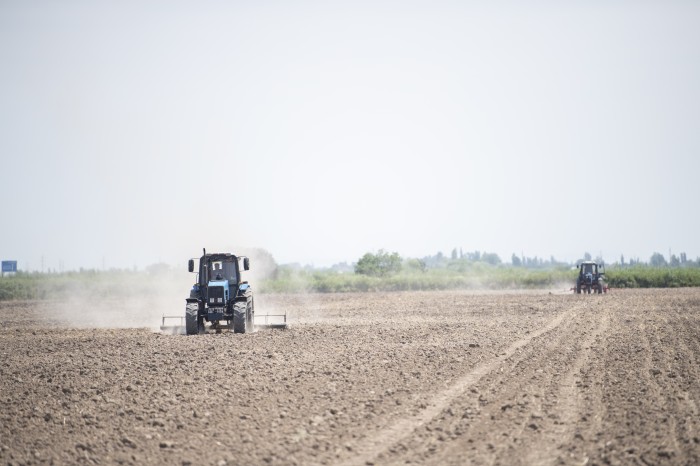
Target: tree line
x=384, y=263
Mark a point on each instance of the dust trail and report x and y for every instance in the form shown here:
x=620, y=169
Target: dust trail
x=289, y=303
x=378, y=443
x=119, y=300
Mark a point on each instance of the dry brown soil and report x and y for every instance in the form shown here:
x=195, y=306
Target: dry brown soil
x=425, y=378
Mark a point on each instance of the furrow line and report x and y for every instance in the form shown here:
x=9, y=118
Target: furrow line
x=375, y=444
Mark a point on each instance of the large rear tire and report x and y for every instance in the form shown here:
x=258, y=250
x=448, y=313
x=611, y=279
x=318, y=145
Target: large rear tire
x=240, y=317
x=194, y=325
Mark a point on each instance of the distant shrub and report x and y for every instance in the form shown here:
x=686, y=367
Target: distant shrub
x=380, y=264
x=473, y=276
x=653, y=277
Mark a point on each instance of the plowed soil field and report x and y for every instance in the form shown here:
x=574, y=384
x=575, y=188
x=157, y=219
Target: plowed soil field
x=377, y=378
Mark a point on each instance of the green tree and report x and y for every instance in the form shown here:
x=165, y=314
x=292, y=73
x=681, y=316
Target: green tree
x=474, y=256
x=515, y=260
x=379, y=265
x=417, y=264
x=657, y=260
x=491, y=258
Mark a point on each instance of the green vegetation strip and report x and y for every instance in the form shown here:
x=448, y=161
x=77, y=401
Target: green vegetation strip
x=89, y=284
x=478, y=276
x=481, y=276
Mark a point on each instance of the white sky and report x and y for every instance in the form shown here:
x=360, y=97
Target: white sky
x=134, y=132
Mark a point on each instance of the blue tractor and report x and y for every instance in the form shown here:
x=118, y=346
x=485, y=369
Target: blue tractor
x=221, y=296
x=590, y=278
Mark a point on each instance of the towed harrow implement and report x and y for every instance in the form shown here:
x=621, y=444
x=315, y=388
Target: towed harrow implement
x=175, y=325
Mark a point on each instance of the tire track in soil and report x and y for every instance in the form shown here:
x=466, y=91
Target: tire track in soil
x=644, y=384
x=526, y=413
x=650, y=340
x=379, y=442
x=571, y=397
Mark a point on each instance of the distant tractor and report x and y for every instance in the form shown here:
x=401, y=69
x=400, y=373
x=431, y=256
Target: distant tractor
x=221, y=297
x=590, y=277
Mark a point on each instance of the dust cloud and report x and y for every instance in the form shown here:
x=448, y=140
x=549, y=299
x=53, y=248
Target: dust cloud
x=116, y=300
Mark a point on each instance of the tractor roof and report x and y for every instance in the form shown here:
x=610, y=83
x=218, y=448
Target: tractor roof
x=219, y=256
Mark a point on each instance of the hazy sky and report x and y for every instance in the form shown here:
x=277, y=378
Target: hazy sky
x=134, y=132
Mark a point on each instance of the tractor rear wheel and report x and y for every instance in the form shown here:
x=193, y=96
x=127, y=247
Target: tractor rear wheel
x=240, y=317
x=194, y=324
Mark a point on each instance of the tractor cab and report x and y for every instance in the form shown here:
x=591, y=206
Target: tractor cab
x=220, y=267
x=589, y=268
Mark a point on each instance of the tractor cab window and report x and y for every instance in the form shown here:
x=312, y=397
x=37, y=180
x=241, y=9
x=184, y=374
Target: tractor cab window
x=217, y=271
x=220, y=270
x=588, y=268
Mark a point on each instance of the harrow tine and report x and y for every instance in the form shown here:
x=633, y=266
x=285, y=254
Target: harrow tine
x=268, y=324
x=173, y=329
